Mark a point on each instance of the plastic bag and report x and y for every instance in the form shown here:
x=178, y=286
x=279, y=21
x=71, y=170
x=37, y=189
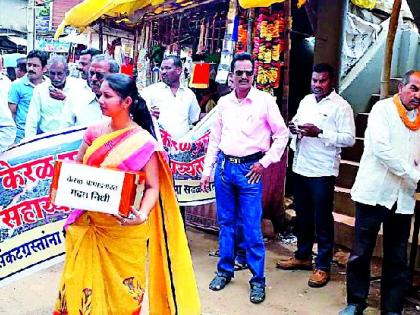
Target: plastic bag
x=366, y=4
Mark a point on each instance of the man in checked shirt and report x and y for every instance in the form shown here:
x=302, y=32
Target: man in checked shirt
x=248, y=135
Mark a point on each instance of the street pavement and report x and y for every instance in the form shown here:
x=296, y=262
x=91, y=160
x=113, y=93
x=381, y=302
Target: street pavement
x=287, y=291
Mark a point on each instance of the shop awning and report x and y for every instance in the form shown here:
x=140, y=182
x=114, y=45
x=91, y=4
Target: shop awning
x=19, y=41
x=89, y=11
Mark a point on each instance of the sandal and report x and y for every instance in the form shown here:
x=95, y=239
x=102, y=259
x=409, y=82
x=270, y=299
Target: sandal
x=218, y=283
x=257, y=293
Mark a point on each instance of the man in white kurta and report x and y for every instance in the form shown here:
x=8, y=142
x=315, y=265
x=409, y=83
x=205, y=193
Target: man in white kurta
x=384, y=192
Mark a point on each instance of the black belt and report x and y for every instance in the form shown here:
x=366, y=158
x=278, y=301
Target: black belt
x=244, y=159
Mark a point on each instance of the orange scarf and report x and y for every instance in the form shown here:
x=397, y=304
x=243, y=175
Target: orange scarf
x=402, y=111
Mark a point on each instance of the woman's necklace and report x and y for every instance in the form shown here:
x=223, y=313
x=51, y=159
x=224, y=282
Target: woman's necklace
x=111, y=129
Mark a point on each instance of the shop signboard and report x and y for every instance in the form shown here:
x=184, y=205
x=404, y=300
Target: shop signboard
x=43, y=17
x=51, y=45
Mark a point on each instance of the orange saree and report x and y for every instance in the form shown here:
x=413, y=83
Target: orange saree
x=105, y=266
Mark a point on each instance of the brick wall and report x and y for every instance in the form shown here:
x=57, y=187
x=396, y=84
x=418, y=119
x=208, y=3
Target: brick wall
x=60, y=7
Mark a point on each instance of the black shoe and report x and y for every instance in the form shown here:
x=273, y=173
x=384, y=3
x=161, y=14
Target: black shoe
x=257, y=293
x=218, y=283
x=352, y=309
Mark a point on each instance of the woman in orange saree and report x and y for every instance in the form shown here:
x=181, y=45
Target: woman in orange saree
x=105, y=267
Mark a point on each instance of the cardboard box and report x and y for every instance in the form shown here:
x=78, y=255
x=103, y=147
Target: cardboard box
x=96, y=189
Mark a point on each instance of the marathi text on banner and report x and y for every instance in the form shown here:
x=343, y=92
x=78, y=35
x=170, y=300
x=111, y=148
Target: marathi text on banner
x=186, y=159
x=31, y=228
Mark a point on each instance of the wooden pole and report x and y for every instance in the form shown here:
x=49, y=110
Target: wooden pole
x=101, y=36
x=250, y=27
x=136, y=51
x=386, y=72
x=286, y=62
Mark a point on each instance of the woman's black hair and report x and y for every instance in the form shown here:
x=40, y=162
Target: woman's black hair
x=125, y=87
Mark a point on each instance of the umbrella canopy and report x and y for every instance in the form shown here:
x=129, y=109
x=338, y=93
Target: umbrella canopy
x=89, y=11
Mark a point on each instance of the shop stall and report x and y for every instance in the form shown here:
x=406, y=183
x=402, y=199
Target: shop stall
x=206, y=35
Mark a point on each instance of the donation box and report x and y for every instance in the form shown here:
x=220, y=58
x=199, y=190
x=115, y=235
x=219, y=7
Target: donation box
x=96, y=189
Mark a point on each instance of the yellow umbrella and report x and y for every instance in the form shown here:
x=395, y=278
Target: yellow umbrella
x=89, y=11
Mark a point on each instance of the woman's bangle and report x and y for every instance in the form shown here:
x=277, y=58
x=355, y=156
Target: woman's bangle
x=143, y=216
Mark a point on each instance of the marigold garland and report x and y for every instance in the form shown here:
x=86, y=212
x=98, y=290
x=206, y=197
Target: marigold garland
x=412, y=125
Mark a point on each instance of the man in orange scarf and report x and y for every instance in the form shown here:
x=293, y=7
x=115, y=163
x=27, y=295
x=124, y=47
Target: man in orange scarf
x=384, y=192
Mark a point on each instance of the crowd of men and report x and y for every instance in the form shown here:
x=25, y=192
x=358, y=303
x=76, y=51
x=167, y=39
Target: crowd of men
x=248, y=135
x=46, y=98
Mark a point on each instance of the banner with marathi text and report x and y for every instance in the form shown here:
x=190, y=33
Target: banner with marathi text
x=31, y=228
x=186, y=158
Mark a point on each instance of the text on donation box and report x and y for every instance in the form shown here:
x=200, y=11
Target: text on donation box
x=89, y=188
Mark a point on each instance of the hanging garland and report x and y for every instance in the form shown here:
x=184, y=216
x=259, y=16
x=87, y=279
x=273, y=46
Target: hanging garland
x=412, y=125
x=268, y=46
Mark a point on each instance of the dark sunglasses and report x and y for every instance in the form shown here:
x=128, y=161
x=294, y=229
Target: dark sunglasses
x=240, y=73
x=99, y=75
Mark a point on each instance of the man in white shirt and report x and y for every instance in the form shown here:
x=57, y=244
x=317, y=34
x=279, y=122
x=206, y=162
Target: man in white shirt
x=7, y=124
x=85, y=61
x=86, y=113
x=324, y=123
x=89, y=111
x=53, y=101
x=5, y=85
x=384, y=192
x=175, y=107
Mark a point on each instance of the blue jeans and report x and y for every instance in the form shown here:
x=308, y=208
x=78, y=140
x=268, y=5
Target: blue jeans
x=240, y=253
x=314, y=203
x=236, y=198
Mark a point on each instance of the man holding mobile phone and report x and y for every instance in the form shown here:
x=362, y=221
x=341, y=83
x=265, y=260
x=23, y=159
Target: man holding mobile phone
x=52, y=101
x=323, y=124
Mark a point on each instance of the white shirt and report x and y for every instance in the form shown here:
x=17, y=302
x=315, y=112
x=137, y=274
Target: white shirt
x=318, y=157
x=7, y=124
x=86, y=111
x=177, y=112
x=47, y=114
x=387, y=171
x=5, y=85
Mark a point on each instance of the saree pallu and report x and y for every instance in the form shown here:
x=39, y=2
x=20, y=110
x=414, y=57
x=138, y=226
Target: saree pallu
x=104, y=271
